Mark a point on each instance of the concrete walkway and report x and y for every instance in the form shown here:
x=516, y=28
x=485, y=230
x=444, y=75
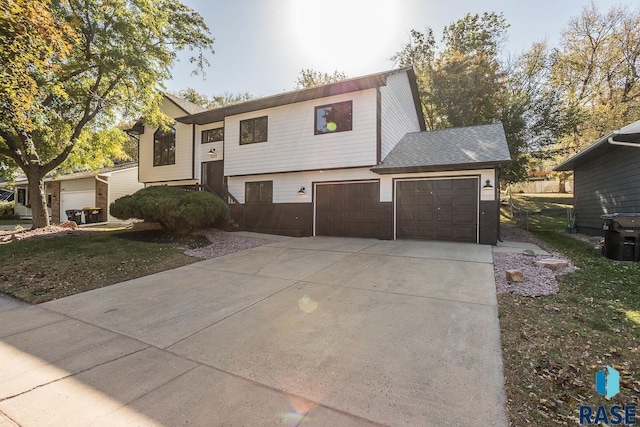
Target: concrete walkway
x=310, y=331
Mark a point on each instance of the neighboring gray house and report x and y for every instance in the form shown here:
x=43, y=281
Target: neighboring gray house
x=606, y=178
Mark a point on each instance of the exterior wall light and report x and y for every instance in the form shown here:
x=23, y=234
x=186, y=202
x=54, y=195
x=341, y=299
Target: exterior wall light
x=212, y=153
x=487, y=185
x=301, y=190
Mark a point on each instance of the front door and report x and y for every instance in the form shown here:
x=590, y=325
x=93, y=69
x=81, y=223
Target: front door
x=212, y=175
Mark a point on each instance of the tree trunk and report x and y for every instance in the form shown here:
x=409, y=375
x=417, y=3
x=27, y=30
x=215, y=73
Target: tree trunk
x=562, y=179
x=37, y=199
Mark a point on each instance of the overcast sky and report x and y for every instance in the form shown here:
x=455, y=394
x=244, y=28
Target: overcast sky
x=261, y=45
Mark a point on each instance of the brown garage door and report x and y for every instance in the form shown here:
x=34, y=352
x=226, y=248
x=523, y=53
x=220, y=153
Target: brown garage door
x=347, y=209
x=440, y=209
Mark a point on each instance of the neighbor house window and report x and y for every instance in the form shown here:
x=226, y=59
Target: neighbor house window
x=334, y=118
x=212, y=135
x=253, y=130
x=258, y=192
x=22, y=196
x=164, y=147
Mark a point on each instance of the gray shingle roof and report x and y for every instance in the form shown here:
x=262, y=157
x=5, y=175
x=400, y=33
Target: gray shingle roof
x=187, y=106
x=455, y=148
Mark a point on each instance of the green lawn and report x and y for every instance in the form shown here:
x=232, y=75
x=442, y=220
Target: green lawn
x=40, y=270
x=542, y=211
x=554, y=345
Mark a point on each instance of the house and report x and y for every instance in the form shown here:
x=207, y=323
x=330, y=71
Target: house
x=606, y=177
x=350, y=158
x=80, y=190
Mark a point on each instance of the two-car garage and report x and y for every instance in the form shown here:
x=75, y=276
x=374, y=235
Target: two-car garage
x=428, y=209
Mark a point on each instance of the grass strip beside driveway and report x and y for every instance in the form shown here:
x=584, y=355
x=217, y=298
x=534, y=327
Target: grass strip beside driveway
x=39, y=270
x=554, y=345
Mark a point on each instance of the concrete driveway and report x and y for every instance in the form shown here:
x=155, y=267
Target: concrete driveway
x=310, y=331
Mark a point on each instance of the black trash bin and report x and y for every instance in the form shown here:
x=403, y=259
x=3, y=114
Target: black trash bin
x=74, y=215
x=622, y=236
x=91, y=215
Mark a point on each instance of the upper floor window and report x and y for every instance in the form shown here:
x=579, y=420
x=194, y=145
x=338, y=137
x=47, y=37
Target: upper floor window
x=164, y=147
x=258, y=192
x=253, y=130
x=212, y=135
x=334, y=118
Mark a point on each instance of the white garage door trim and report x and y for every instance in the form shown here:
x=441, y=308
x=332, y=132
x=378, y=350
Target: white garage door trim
x=395, y=195
x=73, y=200
x=315, y=193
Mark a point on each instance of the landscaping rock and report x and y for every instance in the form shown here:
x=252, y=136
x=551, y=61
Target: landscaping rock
x=69, y=224
x=529, y=252
x=552, y=264
x=515, y=276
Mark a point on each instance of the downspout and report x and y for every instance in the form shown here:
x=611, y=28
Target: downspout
x=626, y=144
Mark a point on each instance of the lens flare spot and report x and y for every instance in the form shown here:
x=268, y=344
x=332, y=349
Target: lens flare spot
x=332, y=127
x=307, y=305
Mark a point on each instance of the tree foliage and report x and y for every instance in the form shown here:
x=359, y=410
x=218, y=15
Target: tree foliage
x=174, y=208
x=311, y=78
x=215, y=101
x=463, y=83
x=106, y=60
x=597, y=72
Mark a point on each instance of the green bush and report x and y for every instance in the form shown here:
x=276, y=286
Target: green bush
x=174, y=208
x=6, y=210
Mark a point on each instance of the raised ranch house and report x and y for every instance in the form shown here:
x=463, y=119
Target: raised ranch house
x=345, y=159
x=606, y=176
x=81, y=190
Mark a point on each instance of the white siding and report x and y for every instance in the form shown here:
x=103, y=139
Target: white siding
x=79, y=184
x=399, y=114
x=184, y=150
x=386, y=181
x=122, y=183
x=202, y=150
x=292, y=145
x=286, y=185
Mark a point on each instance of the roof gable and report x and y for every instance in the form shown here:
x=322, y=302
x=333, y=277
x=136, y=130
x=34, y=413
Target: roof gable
x=187, y=106
x=453, y=148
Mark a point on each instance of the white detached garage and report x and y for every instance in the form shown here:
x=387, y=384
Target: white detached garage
x=75, y=192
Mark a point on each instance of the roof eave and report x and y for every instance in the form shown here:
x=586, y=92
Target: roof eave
x=381, y=170
x=338, y=88
x=568, y=164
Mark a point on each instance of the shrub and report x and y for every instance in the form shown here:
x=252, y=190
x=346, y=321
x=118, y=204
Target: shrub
x=174, y=208
x=6, y=210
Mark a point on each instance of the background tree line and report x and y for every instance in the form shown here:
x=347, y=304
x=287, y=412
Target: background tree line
x=553, y=101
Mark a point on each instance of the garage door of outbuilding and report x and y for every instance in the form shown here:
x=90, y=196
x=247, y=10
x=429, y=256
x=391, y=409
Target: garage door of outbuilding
x=347, y=209
x=437, y=209
x=75, y=200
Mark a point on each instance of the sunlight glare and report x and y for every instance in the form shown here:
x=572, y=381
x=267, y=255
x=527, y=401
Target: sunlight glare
x=336, y=34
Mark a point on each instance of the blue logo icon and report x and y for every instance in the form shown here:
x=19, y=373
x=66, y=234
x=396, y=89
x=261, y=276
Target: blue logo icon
x=608, y=382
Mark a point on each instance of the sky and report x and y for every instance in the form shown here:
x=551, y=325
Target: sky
x=262, y=45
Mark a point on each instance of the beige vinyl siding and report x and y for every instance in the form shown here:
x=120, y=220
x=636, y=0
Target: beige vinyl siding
x=184, y=150
x=122, y=183
x=292, y=145
x=398, y=111
x=80, y=184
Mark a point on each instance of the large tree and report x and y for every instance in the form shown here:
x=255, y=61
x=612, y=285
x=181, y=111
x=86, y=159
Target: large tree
x=311, y=78
x=463, y=83
x=72, y=69
x=597, y=71
x=215, y=101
